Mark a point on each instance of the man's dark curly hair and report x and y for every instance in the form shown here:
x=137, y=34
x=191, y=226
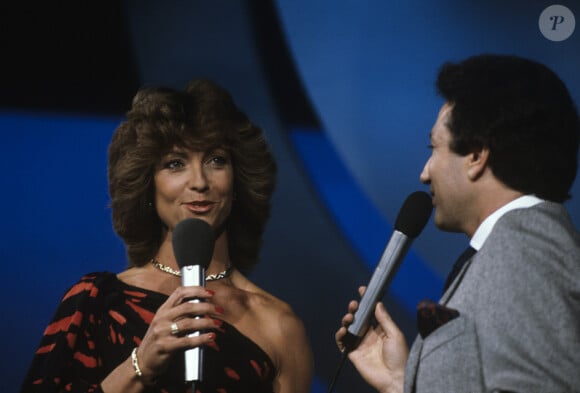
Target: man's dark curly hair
x=202, y=117
x=523, y=113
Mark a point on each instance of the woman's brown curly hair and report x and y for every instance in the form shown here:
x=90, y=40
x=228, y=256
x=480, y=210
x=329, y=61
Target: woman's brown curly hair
x=202, y=117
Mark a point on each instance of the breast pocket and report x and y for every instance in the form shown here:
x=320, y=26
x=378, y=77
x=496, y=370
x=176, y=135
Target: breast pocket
x=444, y=335
x=450, y=359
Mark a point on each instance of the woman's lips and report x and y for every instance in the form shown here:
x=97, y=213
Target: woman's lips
x=199, y=207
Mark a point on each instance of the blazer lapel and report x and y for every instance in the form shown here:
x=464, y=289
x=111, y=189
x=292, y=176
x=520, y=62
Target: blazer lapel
x=413, y=365
x=453, y=287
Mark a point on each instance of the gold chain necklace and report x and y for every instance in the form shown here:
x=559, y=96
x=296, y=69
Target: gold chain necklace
x=211, y=277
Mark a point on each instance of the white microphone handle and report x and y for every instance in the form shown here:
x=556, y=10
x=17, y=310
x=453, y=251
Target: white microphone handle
x=193, y=275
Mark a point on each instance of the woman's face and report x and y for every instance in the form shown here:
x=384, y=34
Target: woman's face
x=194, y=184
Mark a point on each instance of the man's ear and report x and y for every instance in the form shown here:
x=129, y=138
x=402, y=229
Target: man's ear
x=477, y=163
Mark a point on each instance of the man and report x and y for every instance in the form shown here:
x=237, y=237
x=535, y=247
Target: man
x=504, y=156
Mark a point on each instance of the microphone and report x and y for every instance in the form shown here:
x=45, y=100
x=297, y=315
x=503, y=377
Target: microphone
x=193, y=242
x=411, y=220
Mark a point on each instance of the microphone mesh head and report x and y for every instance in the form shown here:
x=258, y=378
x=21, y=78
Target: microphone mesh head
x=414, y=214
x=193, y=242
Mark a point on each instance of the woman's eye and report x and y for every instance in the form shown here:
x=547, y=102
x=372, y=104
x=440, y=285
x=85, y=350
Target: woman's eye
x=218, y=161
x=173, y=164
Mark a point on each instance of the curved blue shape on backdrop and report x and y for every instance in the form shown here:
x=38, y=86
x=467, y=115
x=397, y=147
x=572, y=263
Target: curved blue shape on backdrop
x=359, y=220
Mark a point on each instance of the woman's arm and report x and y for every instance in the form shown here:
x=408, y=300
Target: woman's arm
x=70, y=357
x=152, y=356
x=295, y=359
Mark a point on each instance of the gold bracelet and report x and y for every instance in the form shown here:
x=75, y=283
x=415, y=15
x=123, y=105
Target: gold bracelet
x=138, y=371
x=136, y=363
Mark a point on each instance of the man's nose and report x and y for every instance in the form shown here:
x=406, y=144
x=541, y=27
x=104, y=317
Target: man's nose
x=424, y=176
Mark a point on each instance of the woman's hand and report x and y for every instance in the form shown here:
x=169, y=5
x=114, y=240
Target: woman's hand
x=381, y=356
x=169, y=329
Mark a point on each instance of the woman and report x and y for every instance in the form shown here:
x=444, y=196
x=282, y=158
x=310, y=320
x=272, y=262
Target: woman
x=179, y=155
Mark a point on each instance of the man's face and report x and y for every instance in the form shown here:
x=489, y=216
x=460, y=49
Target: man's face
x=445, y=172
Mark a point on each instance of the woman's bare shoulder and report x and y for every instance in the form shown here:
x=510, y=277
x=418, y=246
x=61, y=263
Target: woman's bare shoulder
x=282, y=321
x=283, y=333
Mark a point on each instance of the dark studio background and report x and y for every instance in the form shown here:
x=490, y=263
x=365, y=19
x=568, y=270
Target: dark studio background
x=343, y=91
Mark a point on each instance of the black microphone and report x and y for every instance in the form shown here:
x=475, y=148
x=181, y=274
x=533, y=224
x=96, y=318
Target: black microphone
x=411, y=220
x=193, y=242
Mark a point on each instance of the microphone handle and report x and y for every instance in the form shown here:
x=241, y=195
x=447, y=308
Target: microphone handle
x=386, y=269
x=193, y=275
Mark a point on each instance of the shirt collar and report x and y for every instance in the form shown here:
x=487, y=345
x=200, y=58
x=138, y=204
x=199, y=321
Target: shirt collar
x=484, y=229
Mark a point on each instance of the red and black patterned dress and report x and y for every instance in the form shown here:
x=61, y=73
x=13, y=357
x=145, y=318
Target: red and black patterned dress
x=99, y=322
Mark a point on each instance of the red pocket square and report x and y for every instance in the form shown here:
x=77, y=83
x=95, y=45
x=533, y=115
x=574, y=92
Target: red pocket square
x=431, y=315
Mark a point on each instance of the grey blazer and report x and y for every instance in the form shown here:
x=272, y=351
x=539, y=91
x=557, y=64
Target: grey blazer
x=519, y=304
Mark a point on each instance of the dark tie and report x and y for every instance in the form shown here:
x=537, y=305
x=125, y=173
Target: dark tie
x=467, y=254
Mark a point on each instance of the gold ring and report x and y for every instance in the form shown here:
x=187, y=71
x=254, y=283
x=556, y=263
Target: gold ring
x=174, y=329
